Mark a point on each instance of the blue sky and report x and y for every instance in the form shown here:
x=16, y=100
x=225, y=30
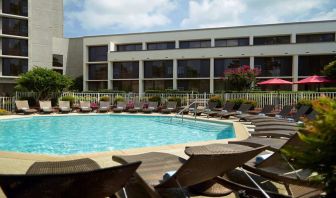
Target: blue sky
x=97, y=17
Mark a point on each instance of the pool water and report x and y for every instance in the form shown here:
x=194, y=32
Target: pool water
x=95, y=133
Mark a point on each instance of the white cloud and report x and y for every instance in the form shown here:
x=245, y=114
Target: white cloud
x=123, y=14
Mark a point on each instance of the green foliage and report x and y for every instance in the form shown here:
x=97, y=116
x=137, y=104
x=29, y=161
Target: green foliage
x=105, y=91
x=240, y=101
x=31, y=100
x=105, y=98
x=304, y=102
x=44, y=82
x=328, y=89
x=77, y=84
x=330, y=70
x=319, y=153
x=71, y=99
x=171, y=91
x=118, y=99
x=3, y=112
x=154, y=99
x=175, y=99
x=217, y=99
x=242, y=78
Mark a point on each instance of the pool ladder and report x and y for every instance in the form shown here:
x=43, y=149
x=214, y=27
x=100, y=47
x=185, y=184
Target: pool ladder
x=181, y=113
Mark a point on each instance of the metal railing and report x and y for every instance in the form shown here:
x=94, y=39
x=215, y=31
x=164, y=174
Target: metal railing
x=181, y=113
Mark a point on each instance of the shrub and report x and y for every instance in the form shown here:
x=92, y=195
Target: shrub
x=118, y=99
x=241, y=78
x=31, y=100
x=71, y=99
x=3, y=112
x=330, y=70
x=251, y=102
x=328, y=89
x=304, y=102
x=105, y=98
x=217, y=99
x=154, y=99
x=175, y=99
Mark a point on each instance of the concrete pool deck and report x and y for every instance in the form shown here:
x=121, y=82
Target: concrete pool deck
x=18, y=163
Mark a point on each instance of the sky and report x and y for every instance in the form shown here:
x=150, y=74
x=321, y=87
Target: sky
x=100, y=17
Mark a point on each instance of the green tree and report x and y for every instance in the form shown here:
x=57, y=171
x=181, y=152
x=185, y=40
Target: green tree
x=78, y=84
x=44, y=82
x=241, y=78
x=330, y=70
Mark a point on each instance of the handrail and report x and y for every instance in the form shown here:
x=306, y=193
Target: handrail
x=187, y=107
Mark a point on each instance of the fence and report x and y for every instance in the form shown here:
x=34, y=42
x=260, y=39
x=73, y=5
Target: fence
x=262, y=99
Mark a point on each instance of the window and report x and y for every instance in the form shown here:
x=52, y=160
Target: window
x=14, y=67
x=271, y=40
x=98, y=72
x=126, y=70
x=129, y=47
x=96, y=86
x=232, y=42
x=126, y=85
x=312, y=38
x=310, y=65
x=193, y=68
x=228, y=63
x=15, y=7
x=195, y=44
x=194, y=85
x=16, y=27
x=158, y=69
x=57, y=60
x=161, y=46
x=14, y=47
x=274, y=66
x=158, y=84
x=98, y=53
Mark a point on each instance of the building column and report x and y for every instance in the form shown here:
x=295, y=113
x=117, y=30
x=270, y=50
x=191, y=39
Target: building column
x=109, y=75
x=141, y=77
x=252, y=62
x=85, y=68
x=177, y=44
x=295, y=71
x=293, y=38
x=144, y=46
x=175, y=74
x=0, y=66
x=212, y=74
x=251, y=40
x=213, y=42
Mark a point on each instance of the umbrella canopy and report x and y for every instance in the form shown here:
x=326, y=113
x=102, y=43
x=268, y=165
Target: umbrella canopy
x=315, y=80
x=275, y=81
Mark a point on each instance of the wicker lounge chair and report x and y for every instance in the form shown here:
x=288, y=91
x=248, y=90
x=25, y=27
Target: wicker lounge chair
x=76, y=178
x=104, y=106
x=273, y=144
x=202, y=166
x=121, y=106
x=276, y=133
x=45, y=107
x=85, y=106
x=22, y=106
x=152, y=106
x=210, y=109
x=64, y=106
x=285, y=111
x=228, y=107
x=265, y=110
x=138, y=106
x=171, y=107
x=242, y=109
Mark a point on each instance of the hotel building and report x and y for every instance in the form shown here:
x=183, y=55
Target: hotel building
x=182, y=59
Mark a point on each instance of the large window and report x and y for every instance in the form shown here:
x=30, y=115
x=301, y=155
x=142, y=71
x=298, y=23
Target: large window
x=14, y=47
x=193, y=68
x=158, y=84
x=98, y=53
x=96, y=86
x=98, y=72
x=129, y=47
x=159, y=69
x=57, y=60
x=312, y=38
x=271, y=40
x=16, y=27
x=194, y=85
x=195, y=44
x=161, y=46
x=274, y=66
x=310, y=65
x=126, y=70
x=222, y=64
x=126, y=85
x=16, y=7
x=232, y=42
x=14, y=67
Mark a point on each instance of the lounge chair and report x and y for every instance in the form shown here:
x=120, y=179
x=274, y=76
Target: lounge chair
x=22, y=106
x=275, y=133
x=242, y=109
x=312, y=115
x=138, y=106
x=274, y=144
x=121, y=106
x=195, y=108
x=228, y=107
x=210, y=109
x=152, y=106
x=163, y=172
x=171, y=106
x=285, y=111
x=46, y=107
x=85, y=106
x=265, y=110
x=76, y=178
x=64, y=106
x=104, y=106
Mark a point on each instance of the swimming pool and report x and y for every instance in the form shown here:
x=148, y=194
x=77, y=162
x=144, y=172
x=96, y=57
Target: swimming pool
x=64, y=135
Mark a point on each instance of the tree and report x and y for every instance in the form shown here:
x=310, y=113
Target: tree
x=330, y=70
x=241, y=78
x=44, y=82
x=78, y=84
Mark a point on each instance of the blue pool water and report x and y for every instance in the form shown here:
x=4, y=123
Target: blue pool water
x=95, y=133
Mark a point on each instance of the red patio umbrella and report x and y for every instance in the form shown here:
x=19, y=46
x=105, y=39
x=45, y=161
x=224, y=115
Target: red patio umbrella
x=315, y=79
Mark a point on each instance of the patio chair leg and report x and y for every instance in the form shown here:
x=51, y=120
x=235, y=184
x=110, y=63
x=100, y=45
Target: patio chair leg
x=289, y=191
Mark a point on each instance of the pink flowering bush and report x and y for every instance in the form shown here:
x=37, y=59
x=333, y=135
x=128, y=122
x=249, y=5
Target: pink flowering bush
x=241, y=78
